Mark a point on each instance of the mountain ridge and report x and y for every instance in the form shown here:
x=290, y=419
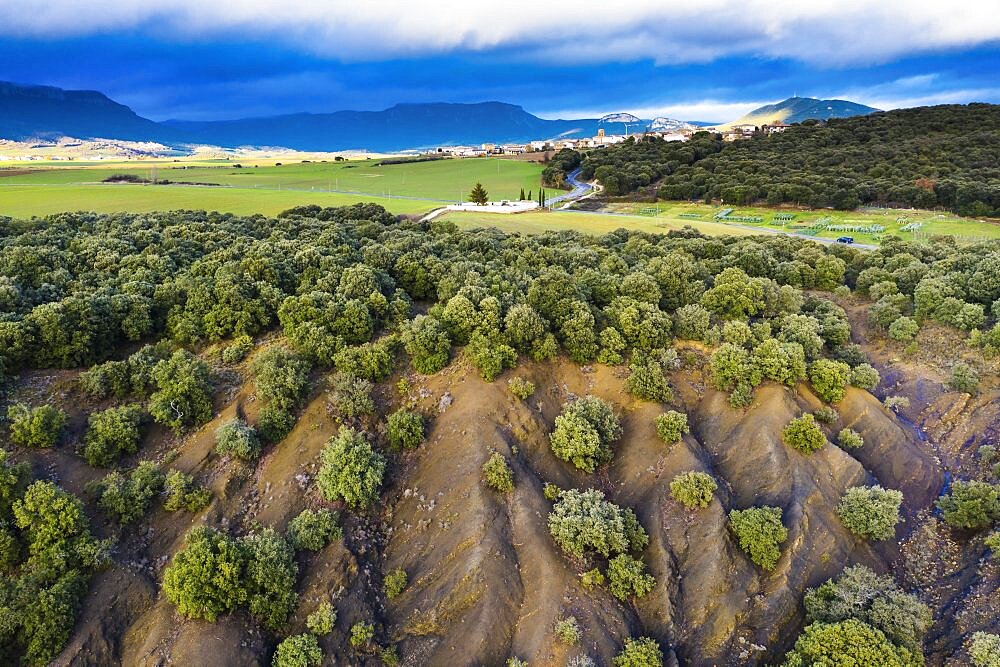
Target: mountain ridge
x=798, y=109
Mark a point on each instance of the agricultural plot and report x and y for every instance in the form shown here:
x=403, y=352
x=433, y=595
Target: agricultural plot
x=580, y=221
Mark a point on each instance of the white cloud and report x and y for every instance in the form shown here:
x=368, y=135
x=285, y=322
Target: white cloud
x=702, y=110
x=667, y=31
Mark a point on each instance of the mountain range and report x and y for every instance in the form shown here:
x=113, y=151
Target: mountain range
x=43, y=112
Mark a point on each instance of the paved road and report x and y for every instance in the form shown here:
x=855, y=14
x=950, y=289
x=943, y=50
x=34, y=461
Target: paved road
x=580, y=188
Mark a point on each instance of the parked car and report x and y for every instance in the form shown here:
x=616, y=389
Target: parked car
x=845, y=239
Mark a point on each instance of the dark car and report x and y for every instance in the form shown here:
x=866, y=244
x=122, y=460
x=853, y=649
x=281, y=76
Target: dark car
x=845, y=239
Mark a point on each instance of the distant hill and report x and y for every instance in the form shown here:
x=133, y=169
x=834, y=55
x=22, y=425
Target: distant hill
x=798, y=109
x=662, y=124
x=45, y=112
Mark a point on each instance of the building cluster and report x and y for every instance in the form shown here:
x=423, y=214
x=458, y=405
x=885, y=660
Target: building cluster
x=600, y=140
x=747, y=130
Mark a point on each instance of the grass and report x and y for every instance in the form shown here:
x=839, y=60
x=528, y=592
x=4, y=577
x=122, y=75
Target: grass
x=25, y=201
x=447, y=180
x=588, y=223
x=932, y=222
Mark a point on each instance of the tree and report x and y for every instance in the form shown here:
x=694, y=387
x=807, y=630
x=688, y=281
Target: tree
x=405, y=429
x=693, y=489
x=584, y=432
x=641, y=652
x=850, y=439
x=205, y=578
x=760, y=532
x=627, y=577
x=735, y=295
x=351, y=396
x=351, y=470
x=427, y=343
x=478, y=195
x=321, y=621
x=871, y=511
x=804, y=434
x=184, y=493
x=394, y=583
x=964, y=378
x=497, y=473
x=111, y=433
x=583, y=521
x=281, y=376
x=269, y=577
x=183, y=396
x=671, y=426
x=903, y=329
x=691, y=322
x=314, y=529
x=849, y=642
x=128, y=497
x=490, y=354
x=646, y=379
x=864, y=376
x=298, y=651
x=973, y=505
x=237, y=438
x=984, y=649
x=829, y=378
x=36, y=427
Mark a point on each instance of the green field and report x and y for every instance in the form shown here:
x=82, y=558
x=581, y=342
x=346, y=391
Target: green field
x=588, y=223
x=444, y=180
x=924, y=224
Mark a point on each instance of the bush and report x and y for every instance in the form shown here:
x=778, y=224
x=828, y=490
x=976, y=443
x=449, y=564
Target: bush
x=903, y=329
x=584, y=432
x=184, y=493
x=992, y=543
x=183, y=396
x=351, y=396
x=641, y=652
x=427, y=343
x=351, y=470
x=862, y=595
x=896, y=403
x=829, y=378
x=112, y=378
x=36, y=427
x=760, y=532
x=825, y=415
x=298, y=651
x=583, y=521
x=405, y=429
x=849, y=642
x=627, y=577
x=274, y=422
x=490, y=354
x=371, y=361
x=864, y=376
x=314, y=529
x=497, y=473
x=974, y=505
x=239, y=439
x=321, y=621
x=361, y=634
x=205, y=578
x=394, y=583
x=984, y=649
x=269, y=577
x=568, y=630
x=964, y=379
x=671, y=425
x=520, y=387
x=127, y=497
x=804, y=435
x=238, y=350
x=592, y=578
x=646, y=379
x=281, y=377
x=551, y=492
x=849, y=439
x=693, y=489
x=111, y=433
x=691, y=322
x=871, y=511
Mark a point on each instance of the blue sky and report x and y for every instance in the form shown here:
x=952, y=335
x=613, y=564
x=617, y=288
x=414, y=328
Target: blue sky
x=699, y=60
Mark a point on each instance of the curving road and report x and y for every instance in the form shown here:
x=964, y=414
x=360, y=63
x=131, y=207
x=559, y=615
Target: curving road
x=580, y=188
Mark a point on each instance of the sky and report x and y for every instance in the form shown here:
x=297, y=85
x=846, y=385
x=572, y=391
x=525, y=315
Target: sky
x=706, y=60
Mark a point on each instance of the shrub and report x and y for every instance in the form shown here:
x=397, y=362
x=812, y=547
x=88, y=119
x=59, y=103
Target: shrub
x=641, y=652
x=281, y=377
x=490, y=354
x=321, y=621
x=497, y=473
x=127, y=497
x=35, y=427
x=520, y=387
x=691, y=322
x=204, y=578
x=427, y=343
x=826, y=415
x=671, y=425
x=871, y=511
x=394, y=583
x=584, y=432
x=804, y=435
x=974, y=505
x=361, y=634
x=314, y=529
x=184, y=493
x=270, y=577
x=992, y=543
x=646, y=379
x=896, y=403
x=849, y=642
x=238, y=350
x=371, y=361
x=860, y=594
x=760, y=532
x=298, y=651
x=568, y=630
x=112, y=378
x=351, y=470
x=903, y=329
x=274, y=422
x=693, y=489
x=828, y=378
x=984, y=649
x=592, y=578
x=964, y=379
x=237, y=438
x=351, y=396
x=111, y=433
x=183, y=396
x=864, y=376
x=405, y=429
x=849, y=439
x=389, y=656
x=583, y=521
x=551, y=492
x=627, y=577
